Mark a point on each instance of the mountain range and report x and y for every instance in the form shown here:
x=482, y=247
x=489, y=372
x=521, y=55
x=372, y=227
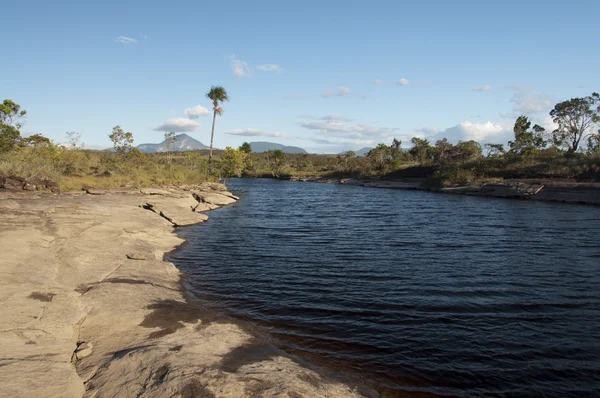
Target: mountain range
x=183, y=142
x=264, y=146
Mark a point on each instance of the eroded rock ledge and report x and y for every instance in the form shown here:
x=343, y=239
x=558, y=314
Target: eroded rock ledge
x=89, y=307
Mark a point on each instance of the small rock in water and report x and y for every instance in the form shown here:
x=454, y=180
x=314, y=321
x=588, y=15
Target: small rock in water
x=136, y=256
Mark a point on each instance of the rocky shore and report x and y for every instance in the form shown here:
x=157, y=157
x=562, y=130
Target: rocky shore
x=89, y=307
x=548, y=190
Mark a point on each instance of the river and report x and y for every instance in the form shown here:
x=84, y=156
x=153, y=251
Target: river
x=410, y=291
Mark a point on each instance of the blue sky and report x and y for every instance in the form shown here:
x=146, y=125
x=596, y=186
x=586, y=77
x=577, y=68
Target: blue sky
x=324, y=75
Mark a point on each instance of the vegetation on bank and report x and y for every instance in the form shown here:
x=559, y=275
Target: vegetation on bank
x=573, y=149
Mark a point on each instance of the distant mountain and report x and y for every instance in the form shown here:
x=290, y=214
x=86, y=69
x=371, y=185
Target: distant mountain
x=360, y=152
x=183, y=142
x=263, y=146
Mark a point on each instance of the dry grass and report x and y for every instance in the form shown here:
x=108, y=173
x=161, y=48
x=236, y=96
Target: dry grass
x=75, y=169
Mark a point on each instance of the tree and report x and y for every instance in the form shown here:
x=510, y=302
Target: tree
x=74, y=140
x=246, y=148
x=526, y=140
x=122, y=141
x=233, y=162
x=574, y=118
x=10, y=114
x=302, y=163
x=170, y=140
x=467, y=151
x=421, y=150
x=217, y=95
x=36, y=141
x=443, y=151
x=446, y=153
x=381, y=158
x=495, y=150
x=275, y=161
x=593, y=143
x=396, y=150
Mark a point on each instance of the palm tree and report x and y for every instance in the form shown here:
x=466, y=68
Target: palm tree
x=217, y=94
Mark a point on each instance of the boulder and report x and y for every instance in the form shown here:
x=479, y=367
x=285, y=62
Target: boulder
x=14, y=183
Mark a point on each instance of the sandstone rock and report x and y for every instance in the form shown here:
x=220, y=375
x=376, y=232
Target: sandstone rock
x=218, y=198
x=14, y=183
x=64, y=280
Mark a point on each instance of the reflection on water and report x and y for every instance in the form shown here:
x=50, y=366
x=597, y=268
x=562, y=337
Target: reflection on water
x=415, y=291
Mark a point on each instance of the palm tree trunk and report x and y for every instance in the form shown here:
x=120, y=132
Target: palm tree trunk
x=212, y=136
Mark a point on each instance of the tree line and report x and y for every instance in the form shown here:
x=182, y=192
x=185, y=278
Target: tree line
x=572, y=147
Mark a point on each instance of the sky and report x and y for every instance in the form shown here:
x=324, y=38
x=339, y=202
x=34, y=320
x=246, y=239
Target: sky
x=325, y=75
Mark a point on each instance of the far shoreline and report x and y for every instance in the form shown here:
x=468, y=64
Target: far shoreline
x=545, y=190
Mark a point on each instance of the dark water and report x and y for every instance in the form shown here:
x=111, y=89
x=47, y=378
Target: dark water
x=415, y=291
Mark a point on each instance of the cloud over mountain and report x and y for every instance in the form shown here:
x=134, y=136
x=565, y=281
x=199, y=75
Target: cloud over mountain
x=178, y=125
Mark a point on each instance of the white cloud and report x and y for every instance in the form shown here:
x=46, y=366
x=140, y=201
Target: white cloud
x=257, y=133
x=547, y=123
x=270, y=68
x=240, y=68
x=480, y=132
x=336, y=92
x=196, y=111
x=178, y=125
x=402, y=82
x=528, y=101
x=339, y=129
x=378, y=82
x=125, y=40
x=428, y=131
x=485, y=88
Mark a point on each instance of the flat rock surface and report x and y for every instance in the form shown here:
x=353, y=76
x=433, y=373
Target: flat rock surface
x=79, y=318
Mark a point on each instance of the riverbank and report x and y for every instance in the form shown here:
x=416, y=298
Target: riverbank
x=91, y=309
x=547, y=190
